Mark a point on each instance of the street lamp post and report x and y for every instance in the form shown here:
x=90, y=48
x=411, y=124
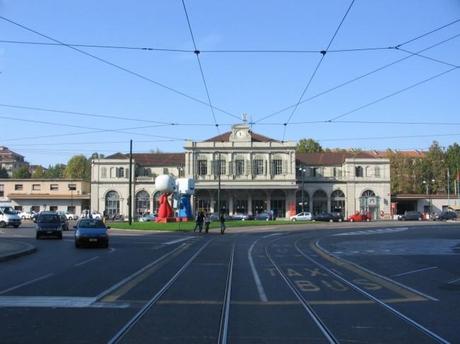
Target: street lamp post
x=302, y=171
x=428, y=194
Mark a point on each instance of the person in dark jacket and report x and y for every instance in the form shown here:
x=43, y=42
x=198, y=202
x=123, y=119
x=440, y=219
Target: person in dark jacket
x=199, y=222
x=222, y=223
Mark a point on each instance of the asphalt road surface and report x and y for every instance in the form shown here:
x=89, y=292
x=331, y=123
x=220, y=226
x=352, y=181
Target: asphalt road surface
x=321, y=283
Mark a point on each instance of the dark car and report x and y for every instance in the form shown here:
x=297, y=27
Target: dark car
x=328, y=217
x=91, y=232
x=243, y=217
x=446, y=215
x=48, y=224
x=411, y=216
x=64, y=222
x=265, y=216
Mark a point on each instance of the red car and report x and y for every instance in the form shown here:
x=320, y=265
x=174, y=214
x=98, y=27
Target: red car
x=358, y=217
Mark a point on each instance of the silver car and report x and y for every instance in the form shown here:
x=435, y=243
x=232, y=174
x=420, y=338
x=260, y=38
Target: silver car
x=304, y=216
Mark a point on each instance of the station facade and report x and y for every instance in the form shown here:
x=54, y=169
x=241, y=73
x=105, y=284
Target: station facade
x=249, y=173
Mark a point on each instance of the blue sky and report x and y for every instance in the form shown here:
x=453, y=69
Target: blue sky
x=259, y=84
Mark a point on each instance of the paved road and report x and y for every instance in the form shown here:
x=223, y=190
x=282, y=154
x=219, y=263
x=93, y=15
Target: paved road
x=324, y=283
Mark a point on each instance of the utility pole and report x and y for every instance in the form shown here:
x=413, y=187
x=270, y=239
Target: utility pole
x=130, y=197
x=448, y=188
x=218, y=167
x=302, y=170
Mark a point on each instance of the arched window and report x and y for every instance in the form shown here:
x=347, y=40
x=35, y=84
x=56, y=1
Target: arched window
x=319, y=202
x=338, y=201
x=142, y=202
x=368, y=193
x=112, y=203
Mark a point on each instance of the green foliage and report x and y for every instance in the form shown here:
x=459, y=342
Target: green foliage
x=22, y=173
x=308, y=146
x=38, y=173
x=55, y=171
x=78, y=167
x=3, y=173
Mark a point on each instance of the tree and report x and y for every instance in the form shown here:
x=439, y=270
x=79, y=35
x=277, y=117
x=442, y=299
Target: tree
x=22, y=173
x=308, y=146
x=4, y=173
x=38, y=173
x=55, y=171
x=78, y=167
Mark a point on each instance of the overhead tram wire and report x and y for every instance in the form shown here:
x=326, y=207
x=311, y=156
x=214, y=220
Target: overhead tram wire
x=428, y=58
x=116, y=66
x=215, y=51
x=364, y=122
x=122, y=131
x=323, y=54
x=95, y=115
x=197, y=54
x=373, y=71
x=424, y=81
x=387, y=137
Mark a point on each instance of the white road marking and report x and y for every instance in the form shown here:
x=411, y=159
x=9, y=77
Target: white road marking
x=271, y=235
x=26, y=283
x=374, y=231
x=86, y=261
x=56, y=302
x=415, y=271
x=454, y=281
x=260, y=288
x=177, y=241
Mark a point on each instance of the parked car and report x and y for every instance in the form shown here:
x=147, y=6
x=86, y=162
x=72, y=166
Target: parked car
x=147, y=218
x=359, y=217
x=243, y=217
x=24, y=215
x=8, y=216
x=411, y=216
x=64, y=222
x=328, y=217
x=265, y=216
x=446, y=215
x=304, y=216
x=48, y=224
x=91, y=232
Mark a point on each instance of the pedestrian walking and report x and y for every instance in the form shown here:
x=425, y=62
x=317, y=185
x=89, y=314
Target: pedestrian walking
x=199, y=222
x=222, y=223
x=207, y=222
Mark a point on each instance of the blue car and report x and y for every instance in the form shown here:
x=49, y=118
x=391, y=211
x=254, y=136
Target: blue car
x=91, y=232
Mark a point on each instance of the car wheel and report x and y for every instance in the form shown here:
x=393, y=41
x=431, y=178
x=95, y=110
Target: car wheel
x=294, y=220
x=420, y=219
x=331, y=220
x=2, y=224
x=16, y=226
x=351, y=220
x=340, y=220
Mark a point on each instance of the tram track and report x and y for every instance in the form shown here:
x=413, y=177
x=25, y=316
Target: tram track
x=371, y=297
x=141, y=313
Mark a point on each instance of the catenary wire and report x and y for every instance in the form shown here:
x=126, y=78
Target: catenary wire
x=95, y=115
x=310, y=80
x=428, y=33
x=197, y=54
x=393, y=94
x=388, y=137
x=428, y=57
x=123, y=131
x=116, y=66
x=362, y=76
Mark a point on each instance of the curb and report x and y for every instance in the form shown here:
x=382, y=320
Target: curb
x=29, y=249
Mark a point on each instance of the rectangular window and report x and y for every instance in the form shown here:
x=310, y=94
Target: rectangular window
x=18, y=207
x=313, y=171
x=239, y=167
x=181, y=172
x=71, y=209
x=377, y=171
x=165, y=170
x=2, y=190
x=120, y=172
x=202, y=167
x=53, y=208
x=54, y=187
x=359, y=172
x=103, y=172
x=18, y=187
x=72, y=187
x=277, y=166
x=221, y=167
x=258, y=167
x=36, y=187
x=35, y=208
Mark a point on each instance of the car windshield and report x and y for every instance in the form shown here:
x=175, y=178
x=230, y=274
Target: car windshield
x=91, y=223
x=49, y=218
x=8, y=210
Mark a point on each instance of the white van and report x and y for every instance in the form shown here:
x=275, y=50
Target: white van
x=8, y=216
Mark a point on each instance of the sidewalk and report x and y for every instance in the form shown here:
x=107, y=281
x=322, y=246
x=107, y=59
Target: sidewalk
x=10, y=249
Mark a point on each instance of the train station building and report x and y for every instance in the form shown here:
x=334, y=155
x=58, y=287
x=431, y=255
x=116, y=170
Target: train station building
x=251, y=173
